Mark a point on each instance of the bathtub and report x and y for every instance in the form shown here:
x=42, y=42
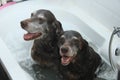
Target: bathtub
x=14, y=49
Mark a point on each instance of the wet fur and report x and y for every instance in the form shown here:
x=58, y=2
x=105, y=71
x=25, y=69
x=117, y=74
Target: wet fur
x=44, y=50
x=85, y=63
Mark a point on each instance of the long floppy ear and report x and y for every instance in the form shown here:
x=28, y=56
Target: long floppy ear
x=83, y=44
x=58, y=27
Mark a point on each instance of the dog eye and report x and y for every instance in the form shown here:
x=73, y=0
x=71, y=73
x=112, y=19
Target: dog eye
x=75, y=41
x=41, y=20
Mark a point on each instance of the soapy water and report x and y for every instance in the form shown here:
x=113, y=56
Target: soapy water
x=20, y=49
x=38, y=73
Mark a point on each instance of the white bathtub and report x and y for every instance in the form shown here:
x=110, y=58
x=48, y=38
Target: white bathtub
x=14, y=49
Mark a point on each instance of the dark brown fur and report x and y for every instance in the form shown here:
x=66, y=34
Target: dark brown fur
x=85, y=62
x=44, y=50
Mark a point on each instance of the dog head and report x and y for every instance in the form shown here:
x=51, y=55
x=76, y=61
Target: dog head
x=69, y=44
x=40, y=23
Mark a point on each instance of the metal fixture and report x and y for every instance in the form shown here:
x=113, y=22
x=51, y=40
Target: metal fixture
x=117, y=51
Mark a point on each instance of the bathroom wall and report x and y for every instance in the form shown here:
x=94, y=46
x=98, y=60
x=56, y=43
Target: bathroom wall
x=106, y=12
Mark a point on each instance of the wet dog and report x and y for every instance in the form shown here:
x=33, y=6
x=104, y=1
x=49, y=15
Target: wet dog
x=78, y=60
x=45, y=30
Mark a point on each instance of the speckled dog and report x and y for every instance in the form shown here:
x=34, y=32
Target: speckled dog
x=78, y=60
x=45, y=30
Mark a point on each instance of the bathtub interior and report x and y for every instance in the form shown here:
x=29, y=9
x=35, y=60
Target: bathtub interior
x=12, y=34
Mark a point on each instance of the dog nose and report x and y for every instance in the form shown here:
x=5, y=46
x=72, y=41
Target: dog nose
x=64, y=49
x=24, y=24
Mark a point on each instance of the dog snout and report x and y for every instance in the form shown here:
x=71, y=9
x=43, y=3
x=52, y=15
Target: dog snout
x=64, y=49
x=24, y=24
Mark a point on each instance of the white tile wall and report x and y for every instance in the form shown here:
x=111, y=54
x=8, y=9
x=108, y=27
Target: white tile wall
x=106, y=12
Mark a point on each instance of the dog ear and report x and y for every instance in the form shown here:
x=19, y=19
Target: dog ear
x=83, y=44
x=58, y=27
